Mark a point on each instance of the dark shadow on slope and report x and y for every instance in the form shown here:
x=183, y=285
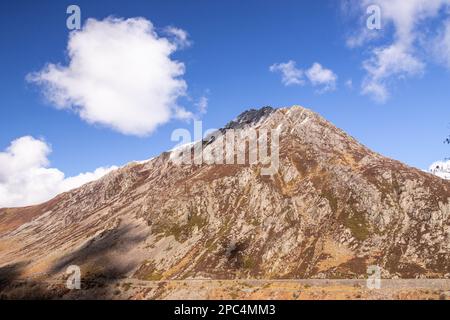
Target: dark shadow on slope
x=10, y=273
x=96, y=251
x=14, y=287
x=98, y=270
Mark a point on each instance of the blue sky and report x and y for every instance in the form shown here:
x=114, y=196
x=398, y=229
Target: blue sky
x=232, y=46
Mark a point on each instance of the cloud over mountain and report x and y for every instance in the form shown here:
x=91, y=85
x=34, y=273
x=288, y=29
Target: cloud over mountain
x=25, y=176
x=322, y=78
x=290, y=75
x=120, y=74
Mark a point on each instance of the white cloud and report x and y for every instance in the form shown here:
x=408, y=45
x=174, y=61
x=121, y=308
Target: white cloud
x=441, y=45
x=317, y=75
x=320, y=76
x=182, y=113
x=70, y=183
x=361, y=38
x=120, y=75
x=290, y=75
x=441, y=169
x=349, y=84
x=25, y=176
x=202, y=105
x=394, y=61
x=181, y=37
x=399, y=59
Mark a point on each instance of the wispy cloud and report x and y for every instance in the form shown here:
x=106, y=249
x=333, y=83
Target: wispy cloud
x=322, y=78
x=290, y=75
x=202, y=105
x=400, y=57
x=180, y=37
x=441, y=45
x=349, y=84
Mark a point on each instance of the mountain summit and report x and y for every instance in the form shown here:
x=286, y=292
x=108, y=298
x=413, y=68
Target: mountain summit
x=332, y=209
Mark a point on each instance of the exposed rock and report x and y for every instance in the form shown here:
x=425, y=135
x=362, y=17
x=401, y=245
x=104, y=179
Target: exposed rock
x=333, y=208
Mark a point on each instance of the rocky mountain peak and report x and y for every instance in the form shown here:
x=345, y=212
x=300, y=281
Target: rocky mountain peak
x=331, y=210
x=249, y=117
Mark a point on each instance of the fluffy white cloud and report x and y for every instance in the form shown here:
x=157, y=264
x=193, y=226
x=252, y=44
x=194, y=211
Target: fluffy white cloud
x=290, y=75
x=25, y=176
x=120, y=75
x=441, y=45
x=320, y=76
x=398, y=59
x=441, y=169
x=317, y=75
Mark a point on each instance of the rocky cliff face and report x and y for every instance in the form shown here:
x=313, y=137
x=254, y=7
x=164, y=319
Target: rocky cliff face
x=333, y=208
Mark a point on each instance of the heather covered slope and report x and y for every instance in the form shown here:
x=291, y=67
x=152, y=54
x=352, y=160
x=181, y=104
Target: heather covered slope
x=333, y=208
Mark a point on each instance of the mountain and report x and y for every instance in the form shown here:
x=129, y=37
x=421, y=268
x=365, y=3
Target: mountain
x=331, y=209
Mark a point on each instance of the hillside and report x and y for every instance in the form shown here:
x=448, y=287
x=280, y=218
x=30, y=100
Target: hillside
x=332, y=208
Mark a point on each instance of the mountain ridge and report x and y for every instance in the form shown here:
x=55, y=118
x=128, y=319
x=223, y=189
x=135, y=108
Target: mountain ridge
x=333, y=209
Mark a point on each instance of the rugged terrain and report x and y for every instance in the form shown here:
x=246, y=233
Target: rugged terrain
x=332, y=209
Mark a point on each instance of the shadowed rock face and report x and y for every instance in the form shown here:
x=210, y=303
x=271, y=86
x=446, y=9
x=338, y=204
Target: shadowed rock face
x=249, y=117
x=333, y=208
